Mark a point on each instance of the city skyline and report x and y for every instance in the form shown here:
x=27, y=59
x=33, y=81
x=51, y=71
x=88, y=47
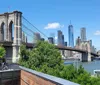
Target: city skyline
x=53, y=15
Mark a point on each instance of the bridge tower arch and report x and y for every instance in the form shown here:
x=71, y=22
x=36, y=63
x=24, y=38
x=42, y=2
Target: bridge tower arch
x=86, y=56
x=12, y=22
x=11, y=31
x=89, y=51
x=2, y=30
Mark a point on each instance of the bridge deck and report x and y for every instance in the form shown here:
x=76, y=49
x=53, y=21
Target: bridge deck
x=31, y=45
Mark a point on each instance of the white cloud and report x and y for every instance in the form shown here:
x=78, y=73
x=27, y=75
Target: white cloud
x=97, y=32
x=54, y=25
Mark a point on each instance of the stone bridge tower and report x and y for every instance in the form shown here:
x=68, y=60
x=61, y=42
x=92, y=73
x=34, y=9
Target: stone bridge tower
x=86, y=46
x=11, y=32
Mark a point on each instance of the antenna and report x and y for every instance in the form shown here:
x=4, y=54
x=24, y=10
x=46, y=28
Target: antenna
x=8, y=8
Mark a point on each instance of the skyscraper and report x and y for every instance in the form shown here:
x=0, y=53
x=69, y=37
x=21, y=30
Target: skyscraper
x=42, y=39
x=78, y=41
x=65, y=43
x=51, y=40
x=59, y=37
x=71, y=35
x=83, y=34
x=90, y=43
x=37, y=37
x=63, y=40
x=53, y=36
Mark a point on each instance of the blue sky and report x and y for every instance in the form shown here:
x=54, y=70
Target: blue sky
x=82, y=13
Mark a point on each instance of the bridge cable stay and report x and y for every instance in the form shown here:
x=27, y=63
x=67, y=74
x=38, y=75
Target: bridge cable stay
x=29, y=36
x=28, y=28
x=34, y=26
x=24, y=26
x=27, y=33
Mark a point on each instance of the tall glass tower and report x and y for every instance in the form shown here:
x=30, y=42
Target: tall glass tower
x=59, y=37
x=37, y=37
x=63, y=40
x=83, y=34
x=71, y=35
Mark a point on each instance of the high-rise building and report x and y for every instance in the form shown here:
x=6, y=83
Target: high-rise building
x=65, y=43
x=92, y=47
x=51, y=40
x=26, y=39
x=59, y=37
x=37, y=37
x=78, y=41
x=71, y=35
x=42, y=39
x=83, y=34
x=63, y=40
x=53, y=35
x=90, y=44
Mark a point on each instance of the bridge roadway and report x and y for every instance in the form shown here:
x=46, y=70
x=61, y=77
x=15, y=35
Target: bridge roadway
x=75, y=49
x=31, y=45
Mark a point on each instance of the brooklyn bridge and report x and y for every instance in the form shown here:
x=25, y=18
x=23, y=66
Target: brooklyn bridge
x=12, y=36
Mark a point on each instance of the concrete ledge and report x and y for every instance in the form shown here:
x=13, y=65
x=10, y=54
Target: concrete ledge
x=10, y=77
x=9, y=70
x=56, y=80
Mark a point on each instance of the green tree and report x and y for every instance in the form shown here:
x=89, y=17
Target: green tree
x=24, y=53
x=2, y=51
x=42, y=58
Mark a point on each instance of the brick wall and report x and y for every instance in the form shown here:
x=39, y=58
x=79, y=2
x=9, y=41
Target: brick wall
x=31, y=79
x=11, y=82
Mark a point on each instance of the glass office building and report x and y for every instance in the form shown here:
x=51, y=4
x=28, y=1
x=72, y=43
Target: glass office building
x=83, y=34
x=37, y=37
x=71, y=36
x=59, y=37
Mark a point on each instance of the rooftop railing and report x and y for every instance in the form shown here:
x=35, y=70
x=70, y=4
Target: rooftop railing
x=25, y=76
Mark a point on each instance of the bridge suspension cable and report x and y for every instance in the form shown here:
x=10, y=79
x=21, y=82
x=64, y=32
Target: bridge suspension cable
x=34, y=26
x=27, y=33
x=28, y=28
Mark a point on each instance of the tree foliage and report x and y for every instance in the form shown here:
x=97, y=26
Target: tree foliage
x=2, y=51
x=43, y=58
x=47, y=59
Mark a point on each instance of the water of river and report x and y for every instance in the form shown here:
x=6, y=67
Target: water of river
x=88, y=66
